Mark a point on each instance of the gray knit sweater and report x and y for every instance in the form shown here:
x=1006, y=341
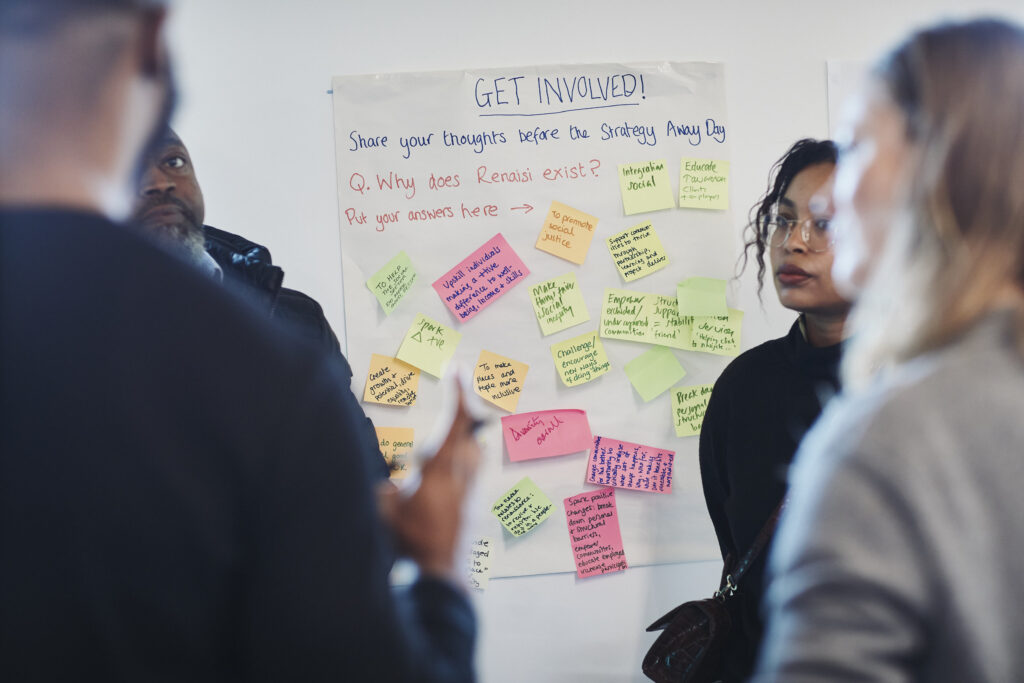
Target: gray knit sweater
x=901, y=556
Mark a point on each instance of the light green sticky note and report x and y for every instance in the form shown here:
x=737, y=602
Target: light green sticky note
x=719, y=335
x=704, y=184
x=654, y=372
x=637, y=251
x=643, y=317
x=522, y=508
x=580, y=359
x=688, y=407
x=558, y=303
x=702, y=297
x=393, y=281
x=645, y=186
x=428, y=345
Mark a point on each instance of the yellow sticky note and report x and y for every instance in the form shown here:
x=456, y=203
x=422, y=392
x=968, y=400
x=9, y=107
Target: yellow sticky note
x=558, y=303
x=637, y=252
x=702, y=297
x=391, y=382
x=499, y=380
x=642, y=317
x=580, y=359
x=654, y=372
x=720, y=335
x=522, y=508
x=428, y=345
x=567, y=233
x=645, y=187
x=688, y=407
x=393, y=281
x=396, y=445
x=704, y=184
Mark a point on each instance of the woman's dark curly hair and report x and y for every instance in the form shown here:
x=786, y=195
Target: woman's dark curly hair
x=803, y=154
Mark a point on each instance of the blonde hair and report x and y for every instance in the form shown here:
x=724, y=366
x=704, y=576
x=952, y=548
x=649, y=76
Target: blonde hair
x=959, y=245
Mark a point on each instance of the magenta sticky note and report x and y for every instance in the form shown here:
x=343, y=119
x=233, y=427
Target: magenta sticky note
x=630, y=465
x=594, y=533
x=546, y=433
x=481, y=278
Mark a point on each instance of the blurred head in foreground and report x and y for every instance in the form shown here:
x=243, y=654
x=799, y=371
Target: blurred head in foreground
x=929, y=224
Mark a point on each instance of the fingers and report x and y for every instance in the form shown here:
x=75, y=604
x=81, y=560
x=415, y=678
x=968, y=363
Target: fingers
x=460, y=451
x=387, y=502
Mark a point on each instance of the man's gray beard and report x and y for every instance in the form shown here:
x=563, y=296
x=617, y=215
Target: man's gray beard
x=187, y=241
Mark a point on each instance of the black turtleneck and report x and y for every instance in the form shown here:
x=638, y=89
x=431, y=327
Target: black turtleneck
x=760, y=408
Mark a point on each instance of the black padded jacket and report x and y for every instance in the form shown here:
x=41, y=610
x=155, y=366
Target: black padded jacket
x=249, y=269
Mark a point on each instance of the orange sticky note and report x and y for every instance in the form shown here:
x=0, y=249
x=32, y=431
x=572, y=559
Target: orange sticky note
x=567, y=233
x=499, y=379
x=391, y=382
x=396, y=445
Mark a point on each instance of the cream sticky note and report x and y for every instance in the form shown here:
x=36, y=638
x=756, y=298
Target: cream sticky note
x=594, y=535
x=546, y=433
x=428, y=345
x=637, y=252
x=393, y=281
x=704, y=184
x=649, y=318
x=702, y=297
x=558, y=303
x=480, y=554
x=654, y=372
x=481, y=278
x=396, y=445
x=522, y=508
x=630, y=465
x=499, y=380
x=645, y=186
x=688, y=407
x=391, y=382
x=580, y=359
x=567, y=233
x=720, y=335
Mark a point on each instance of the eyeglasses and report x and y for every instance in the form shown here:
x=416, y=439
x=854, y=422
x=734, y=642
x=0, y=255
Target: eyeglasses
x=814, y=232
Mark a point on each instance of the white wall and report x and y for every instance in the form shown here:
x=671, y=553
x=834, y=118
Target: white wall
x=256, y=117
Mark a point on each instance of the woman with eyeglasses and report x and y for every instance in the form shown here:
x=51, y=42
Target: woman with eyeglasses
x=901, y=554
x=769, y=396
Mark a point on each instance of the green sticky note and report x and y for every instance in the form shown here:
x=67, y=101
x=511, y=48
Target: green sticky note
x=688, y=407
x=702, y=297
x=645, y=186
x=392, y=282
x=637, y=252
x=558, y=303
x=654, y=372
x=580, y=359
x=704, y=184
x=718, y=335
x=428, y=345
x=642, y=317
x=522, y=508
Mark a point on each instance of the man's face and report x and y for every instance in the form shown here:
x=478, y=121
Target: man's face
x=169, y=202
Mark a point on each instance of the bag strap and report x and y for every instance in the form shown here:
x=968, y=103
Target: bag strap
x=731, y=582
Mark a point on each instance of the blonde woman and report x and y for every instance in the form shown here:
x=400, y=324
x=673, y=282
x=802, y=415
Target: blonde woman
x=901, y=556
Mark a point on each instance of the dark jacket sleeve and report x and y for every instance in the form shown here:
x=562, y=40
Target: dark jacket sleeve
x=714, y=436
x=316, y=574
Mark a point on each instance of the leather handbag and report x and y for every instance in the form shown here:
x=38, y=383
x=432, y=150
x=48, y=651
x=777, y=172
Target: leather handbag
x=693, y=635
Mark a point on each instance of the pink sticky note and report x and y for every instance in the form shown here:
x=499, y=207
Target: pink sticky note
x=594, y=533
x=630, y=466
x=545, y=433
x=481, y=278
